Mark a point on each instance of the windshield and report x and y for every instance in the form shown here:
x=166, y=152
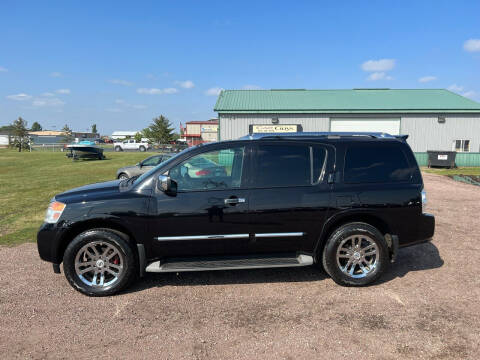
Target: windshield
x=168, y=161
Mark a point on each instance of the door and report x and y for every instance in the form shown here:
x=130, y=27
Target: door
x=389, y=126
x=209, y=215
x=289, y=196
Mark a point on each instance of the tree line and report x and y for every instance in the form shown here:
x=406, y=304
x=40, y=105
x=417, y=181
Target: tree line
x=160, y=131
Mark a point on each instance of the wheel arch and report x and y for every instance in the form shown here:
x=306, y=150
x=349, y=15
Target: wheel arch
x=335, y=222
x=107, y=224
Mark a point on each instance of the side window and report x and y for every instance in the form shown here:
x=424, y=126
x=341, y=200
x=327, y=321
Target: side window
x=376, y=164
x=153, y=161
x=318, y=156
x=461, y=145
x=288, y=165
x=213, y=170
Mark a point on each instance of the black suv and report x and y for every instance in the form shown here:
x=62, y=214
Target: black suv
x=344, y=201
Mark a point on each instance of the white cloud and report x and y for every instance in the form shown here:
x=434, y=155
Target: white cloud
x=56, y=74
x=48, y=101
x=120, y=82
x=2, y=69
x=152, y=91
x=48, y=94
x=187, y=84
x=455, y=88
x=380, y=65
x=426, y=79
x=155, y=91
x=251, y=87
x=139, y=107
x=63, y=91
x=215, y=91
x=170, y=91
x=472, y=45
x=379, y=76
x=464, y=92
x=470, y=94
x=19, y=97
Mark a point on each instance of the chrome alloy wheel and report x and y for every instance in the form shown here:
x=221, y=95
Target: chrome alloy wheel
x=357, y=256
x=99, y=264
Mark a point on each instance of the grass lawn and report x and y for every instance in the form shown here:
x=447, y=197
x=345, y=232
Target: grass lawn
x=29, y=180
x=457, y=171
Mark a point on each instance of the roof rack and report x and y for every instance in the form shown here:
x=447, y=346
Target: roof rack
x=376, y=135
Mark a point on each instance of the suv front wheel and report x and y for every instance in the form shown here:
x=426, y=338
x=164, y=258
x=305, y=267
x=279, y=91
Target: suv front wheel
x=356, y=254
x=99, y=262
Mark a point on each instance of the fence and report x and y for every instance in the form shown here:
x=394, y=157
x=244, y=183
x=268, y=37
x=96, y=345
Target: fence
x=48, y=147
x=462, y=159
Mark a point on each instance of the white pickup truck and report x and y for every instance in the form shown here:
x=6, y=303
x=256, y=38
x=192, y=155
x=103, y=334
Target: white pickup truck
x=131, y=145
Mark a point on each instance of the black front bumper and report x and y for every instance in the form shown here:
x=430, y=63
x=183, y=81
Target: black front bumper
x=49, y=243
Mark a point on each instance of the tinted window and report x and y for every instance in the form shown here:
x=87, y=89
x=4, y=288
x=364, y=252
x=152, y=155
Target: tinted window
x=318, y=163
x=376, y=164
x=213, y=170
x=282, y=165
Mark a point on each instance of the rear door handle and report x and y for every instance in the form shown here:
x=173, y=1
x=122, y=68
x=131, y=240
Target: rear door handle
x=234, y=201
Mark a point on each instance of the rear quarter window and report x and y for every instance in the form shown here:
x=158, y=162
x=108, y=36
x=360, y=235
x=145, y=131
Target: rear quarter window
x=376, y=164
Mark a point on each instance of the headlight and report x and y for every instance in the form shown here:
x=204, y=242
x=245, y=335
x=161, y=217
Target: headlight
x=55, y=209
x=424, y=200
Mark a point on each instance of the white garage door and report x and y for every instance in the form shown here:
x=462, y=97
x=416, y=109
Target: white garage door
x=389, y=126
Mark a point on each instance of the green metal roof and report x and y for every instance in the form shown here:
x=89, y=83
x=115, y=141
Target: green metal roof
x=344, y=101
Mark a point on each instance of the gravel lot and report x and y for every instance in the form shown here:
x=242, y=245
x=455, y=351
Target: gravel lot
x=427, y=306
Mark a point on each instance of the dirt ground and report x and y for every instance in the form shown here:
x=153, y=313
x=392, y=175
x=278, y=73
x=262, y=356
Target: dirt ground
x=427, y=306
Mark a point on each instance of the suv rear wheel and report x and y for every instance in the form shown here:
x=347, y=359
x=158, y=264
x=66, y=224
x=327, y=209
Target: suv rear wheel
x=142, y=148
x=356, y=254
x=118, y=148
x=99, y=262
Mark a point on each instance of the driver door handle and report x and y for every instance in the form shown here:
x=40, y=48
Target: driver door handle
x=234, y=201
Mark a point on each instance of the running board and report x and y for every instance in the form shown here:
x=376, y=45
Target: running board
x=229, y=263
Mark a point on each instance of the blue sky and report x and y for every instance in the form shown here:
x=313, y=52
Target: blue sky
x=120, y=63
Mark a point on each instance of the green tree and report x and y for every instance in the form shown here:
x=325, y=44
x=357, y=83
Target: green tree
x=160, y=131
x=36, y=127
x=138, y=137
x=94, y=128
x=20, y=133
x=67, y=134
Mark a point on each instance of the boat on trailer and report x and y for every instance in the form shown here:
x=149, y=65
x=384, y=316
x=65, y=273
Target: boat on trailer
x=84, y=150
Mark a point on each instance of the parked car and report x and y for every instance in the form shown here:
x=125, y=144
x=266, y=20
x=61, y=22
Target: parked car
x=200, y=167
x=142, y=167
x=131, y=145
x=344, y=202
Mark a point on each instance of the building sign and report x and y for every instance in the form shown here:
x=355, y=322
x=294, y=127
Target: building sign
x=262, y=129
x=209, y=128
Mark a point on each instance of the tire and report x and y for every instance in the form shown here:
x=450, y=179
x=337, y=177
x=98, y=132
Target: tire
x=118, y=148
x=123, y=176
x=369, y=261
x=142, y=148
x=86, y=248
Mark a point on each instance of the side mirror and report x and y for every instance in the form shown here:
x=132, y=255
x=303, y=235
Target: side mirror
x=167, y=185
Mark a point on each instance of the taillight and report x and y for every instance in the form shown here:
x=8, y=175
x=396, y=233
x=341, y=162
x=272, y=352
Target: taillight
x=54, y=211
x=424, y=200
x=202, y=172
